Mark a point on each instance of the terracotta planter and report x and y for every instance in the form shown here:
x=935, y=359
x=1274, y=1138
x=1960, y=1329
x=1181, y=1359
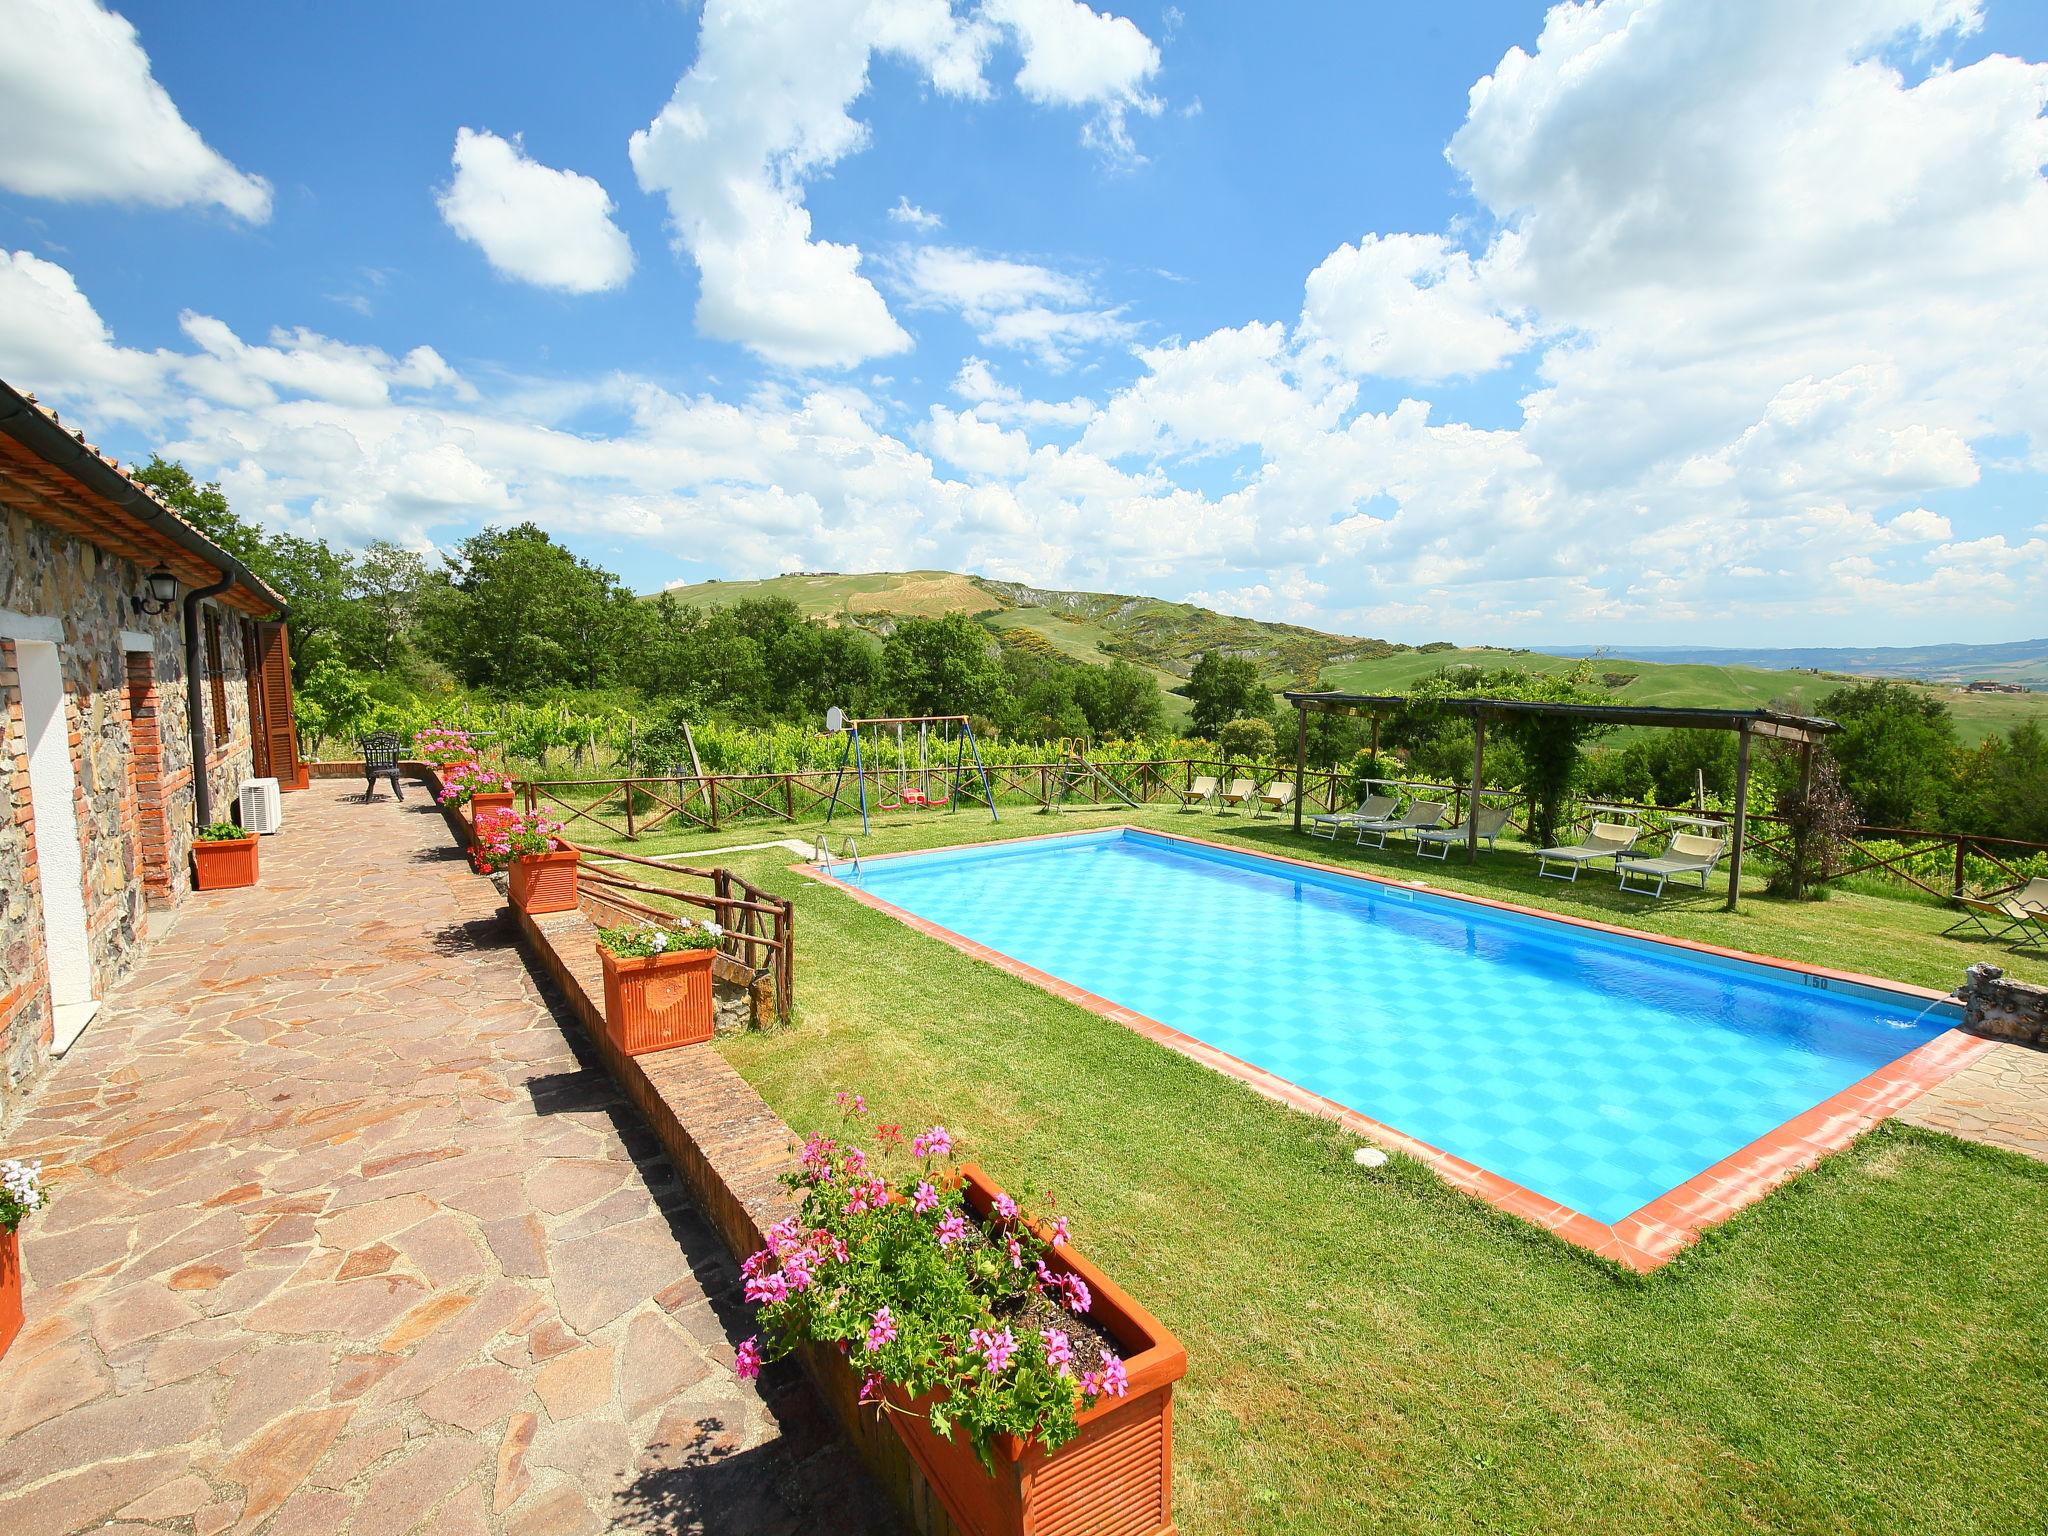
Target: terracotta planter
x=1115, y=1478
x=495, y=803
x=227, y=865
x=10, y=1287
x=658, y=1002
x=545, y=882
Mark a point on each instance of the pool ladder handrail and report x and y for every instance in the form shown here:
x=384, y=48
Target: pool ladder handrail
x=850, y=853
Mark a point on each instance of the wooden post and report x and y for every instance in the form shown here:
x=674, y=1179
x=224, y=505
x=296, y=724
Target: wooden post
x=789, y=797
x=1962, y=846
x=1300, y=759
x=1375, y=718
x=1741, y=816
x=1478, y=783
x=711, y=799
x=631, y=835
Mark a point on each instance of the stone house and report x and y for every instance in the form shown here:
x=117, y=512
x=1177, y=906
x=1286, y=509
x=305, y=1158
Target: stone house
x=144, y=676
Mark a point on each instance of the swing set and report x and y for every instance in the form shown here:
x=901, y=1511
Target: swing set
x=931, y=786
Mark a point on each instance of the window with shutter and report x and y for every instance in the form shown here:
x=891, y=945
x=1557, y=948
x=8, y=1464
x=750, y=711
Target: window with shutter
x=280, y=725
x=216, y=676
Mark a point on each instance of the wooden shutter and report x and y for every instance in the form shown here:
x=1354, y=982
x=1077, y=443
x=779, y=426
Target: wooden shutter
x=216, y=677
x=280, y=725
x=252, y=676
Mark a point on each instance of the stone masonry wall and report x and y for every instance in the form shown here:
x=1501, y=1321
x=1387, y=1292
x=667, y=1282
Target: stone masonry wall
x=2003, y=1008
x=135, y=853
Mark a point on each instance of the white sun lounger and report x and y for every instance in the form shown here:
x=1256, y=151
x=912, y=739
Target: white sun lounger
x=1437, y=842
x=1421, y=816
x=1606, y=840
x=1276, y=796
x=1240, y=791
x=1203, y=789
x=1373, y=808
x=1689, y=856
x=2024, y=911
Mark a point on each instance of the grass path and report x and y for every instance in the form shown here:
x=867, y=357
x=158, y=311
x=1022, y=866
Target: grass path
x=1863, y=1351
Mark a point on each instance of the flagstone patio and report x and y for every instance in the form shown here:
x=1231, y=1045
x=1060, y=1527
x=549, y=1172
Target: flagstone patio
x=346, y=1237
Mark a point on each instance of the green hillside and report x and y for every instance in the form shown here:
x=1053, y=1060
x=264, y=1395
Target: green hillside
x=1165, y=638
x=1675, y=684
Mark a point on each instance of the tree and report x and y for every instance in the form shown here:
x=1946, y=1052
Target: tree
x=1247, y=739
x=1222, y=688
x=384, y=590
x=332, y=702
x=1121, y=702
x=1896, y=750
x=949, y=665
x=518, y=612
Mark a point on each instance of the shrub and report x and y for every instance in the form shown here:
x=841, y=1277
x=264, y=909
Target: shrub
x=1820, y=825
x=221, y=832
x=639, y=941
x=1247, y=739
x=892, y=1268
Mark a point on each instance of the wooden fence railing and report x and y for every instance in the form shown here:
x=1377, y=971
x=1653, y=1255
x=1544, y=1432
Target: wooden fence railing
x=760, y=927
x=634, y=808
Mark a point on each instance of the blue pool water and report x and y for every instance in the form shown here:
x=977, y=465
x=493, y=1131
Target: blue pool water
x=1596, y=1070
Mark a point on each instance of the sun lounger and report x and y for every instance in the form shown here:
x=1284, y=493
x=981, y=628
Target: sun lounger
x=2024, y=911
x=1437, y=842
x=1373, y=808
x=1690, y=856
x=1201, y=790
x=1276, y=796
x=1239, y=792
x=1421, y=816
x=1606, y=840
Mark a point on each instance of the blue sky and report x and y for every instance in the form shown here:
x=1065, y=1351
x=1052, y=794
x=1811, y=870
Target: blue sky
x=1688, y=325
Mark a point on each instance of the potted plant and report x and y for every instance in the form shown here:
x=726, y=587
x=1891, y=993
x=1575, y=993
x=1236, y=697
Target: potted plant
x=484, y=790
x=223, y=857
x=21, y=1194
x=1033, y=1392
x=657, y=985
x=443, y=745
x=542, y=871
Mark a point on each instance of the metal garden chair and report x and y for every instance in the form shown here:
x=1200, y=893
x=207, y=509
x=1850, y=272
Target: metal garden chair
x=380, y=761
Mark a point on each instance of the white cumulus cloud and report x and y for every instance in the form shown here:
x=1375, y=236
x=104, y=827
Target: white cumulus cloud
x=544, y=226
x=86, y=119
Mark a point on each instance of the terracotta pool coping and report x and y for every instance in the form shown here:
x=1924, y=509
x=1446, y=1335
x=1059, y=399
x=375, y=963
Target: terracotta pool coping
x=1645, y=1239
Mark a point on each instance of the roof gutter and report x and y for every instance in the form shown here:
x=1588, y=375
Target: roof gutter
x=23, y=421
x=26, y=423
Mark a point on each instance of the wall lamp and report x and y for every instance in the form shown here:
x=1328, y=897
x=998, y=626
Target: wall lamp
x=163, y=591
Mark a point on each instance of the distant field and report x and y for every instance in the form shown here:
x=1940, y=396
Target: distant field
x=1684, y=684
x=925, y=594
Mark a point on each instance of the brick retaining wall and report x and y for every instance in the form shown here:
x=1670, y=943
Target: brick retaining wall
x=732, y=1150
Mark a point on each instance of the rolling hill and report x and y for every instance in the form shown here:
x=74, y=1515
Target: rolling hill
x=1166, y=637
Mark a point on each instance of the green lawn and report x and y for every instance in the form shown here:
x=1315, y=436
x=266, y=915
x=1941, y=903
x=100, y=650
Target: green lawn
x=1863, y=1351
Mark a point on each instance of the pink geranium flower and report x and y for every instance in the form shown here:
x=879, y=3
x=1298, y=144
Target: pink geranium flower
x=936, y=1142
x=952, y=1230
x=881, y=1329
x=926, y=1200
x=746, y=1360
x=995, y=1346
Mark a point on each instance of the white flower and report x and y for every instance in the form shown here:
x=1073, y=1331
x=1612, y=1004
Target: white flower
x=659, y=941
x=712, y=928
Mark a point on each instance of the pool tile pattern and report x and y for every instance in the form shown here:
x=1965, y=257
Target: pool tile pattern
x=1485, y=1106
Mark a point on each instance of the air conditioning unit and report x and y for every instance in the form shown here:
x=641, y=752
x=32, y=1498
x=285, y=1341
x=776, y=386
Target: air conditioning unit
x=262, y=806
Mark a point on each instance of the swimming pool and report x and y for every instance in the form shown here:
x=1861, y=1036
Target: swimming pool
x=1598, y=1071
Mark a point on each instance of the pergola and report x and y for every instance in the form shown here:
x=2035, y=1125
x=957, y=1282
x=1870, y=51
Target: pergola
x=1746, y=723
